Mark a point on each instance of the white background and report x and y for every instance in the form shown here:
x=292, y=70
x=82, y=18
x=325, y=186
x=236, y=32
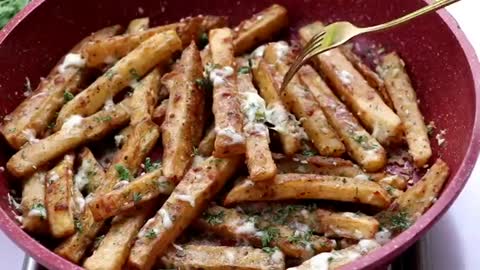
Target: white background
x=452, y=243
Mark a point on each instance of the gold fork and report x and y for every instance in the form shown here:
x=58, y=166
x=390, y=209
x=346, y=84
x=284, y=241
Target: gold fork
x=338, y=33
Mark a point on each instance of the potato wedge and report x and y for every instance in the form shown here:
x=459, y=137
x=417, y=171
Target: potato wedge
x=259, y=158
x=406, y=105
x=186, y=202
x=183, y=126
x=75, y=132
x=259, y=28
x=291, y=134
x=138, y=25
x=354, y=90
x=231, y=224
x=33, y=116
x=114, y=249
x=310, y=186
x=207, y=144
x=34, y=214
x=338, y=258
x=158, y=115
x=111, y=49
x=361, y=146
x=128, y=196
x=230, y=139
x=87, y=177
x=145, y=97
x=222, y=258
x=346, y=224
x=371, y=76
x=301, y=102
x=156, y=50
x=58, y=198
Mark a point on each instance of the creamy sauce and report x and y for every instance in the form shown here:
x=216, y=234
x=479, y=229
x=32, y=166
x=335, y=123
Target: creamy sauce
x=252, y=105
x=109, y=105
x=246, y=228
x=344, y=76
x=38, y=212
x=186, y=198
x=29, y=134
x=167, y=221
x=236, y=137
x=53, y=177
x=281, y=49
x=81, y=178
x=277, y=257
x=218, y=75
x=71, y=60
x=119, y=140
x=121, y=184
x=383, y=236
x=72, y=121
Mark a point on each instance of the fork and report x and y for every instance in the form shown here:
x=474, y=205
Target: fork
x=338, y=33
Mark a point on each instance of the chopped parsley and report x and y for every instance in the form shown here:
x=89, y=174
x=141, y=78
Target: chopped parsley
x=244, y=70
x=78, y=225
x=389, y=189
x=123, y=173
x=260, y=116
x=301, y=238
x=110, y=73
x=203, y=40
x=8, y=9
x=205, y=84
x=107, y=118
x=40, y=209
x=400, y=221
x=361, y=139
x=151, y=234
x=269, y=250
x=51, y=125
x=269, y=234
x=151, y=166
x=133, y=72
x=309, y=153
x=67, y=96
x=282, y=214
x=98, y=240
x=11, y=130
x=214, y=218
x=137, y=197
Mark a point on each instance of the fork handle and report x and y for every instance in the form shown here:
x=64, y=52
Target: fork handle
x=427, y=9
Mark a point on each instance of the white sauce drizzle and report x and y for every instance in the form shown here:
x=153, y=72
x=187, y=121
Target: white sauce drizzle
x=71, y=60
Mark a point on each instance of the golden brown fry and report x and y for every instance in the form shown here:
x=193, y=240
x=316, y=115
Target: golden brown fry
x=186, y=202
x=361, y=146
x=230, y=139
x=58, y=198
x=88, y=171
x=34, y=215
x=111, y=49
x=33, y=116
x=222, y=258
x=145, y=97
x=259, y=158
x=114, y=249
x=310, y=186
x=130, y=195
x=159, y=113
x=302, y=103
x=259, y=28
x=352, y=88
x=371, y=76
x=346, y=224
x=207, y=144
x=183, y=126
x=405, y=102
x=285, y=123
x=138, y=25
x=78, y=131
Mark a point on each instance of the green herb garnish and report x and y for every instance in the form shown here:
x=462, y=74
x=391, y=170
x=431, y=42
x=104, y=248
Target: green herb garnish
x=309, y=153
x=123, y=173
x=151, y=234
x=133, y=72
x=51, y=125
x=268, y=235
x=137, y=197
x=302, y=238
x=110, y=73
x=151, y=166
x=98, y=240
x=67, y=96
x=213, y=218
x=244, y=70
x=8, y=9
x=400, y=221
x=78, y=225
x=269, y=250
x=40, y=210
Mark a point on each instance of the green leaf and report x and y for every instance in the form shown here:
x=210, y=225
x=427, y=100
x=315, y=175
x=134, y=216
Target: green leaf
x=135, y=76
x=309, y=153
x=151, y=234
x=67, y=96
x=213, y=218
x=78, y=225
x=269, y=234
x=137, y=197
x=244, y=70
x=39, y=208
x=123, y=173
x=151, y=166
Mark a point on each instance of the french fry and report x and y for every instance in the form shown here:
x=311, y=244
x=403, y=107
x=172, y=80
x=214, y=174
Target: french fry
x=109, y=50
x=126, y=197
x=113, y=250
x=233, y=225
x=259, y=158
x=58, y=198
x=186, y=202
x=222, y=258
x=145, y=97
x=138, y=25
x=88, y=171
x=405, y=102
x=354, y=90
x=183, y=126
x=207, y=144
x=371, y=76
x=302, y=103
x=230, y=139
x=158, y=115
x=259, y=28
x=361, y=146
x=284, y=122
x=339, y=258
x=156, y=50
x=348, y=225
x=33, y=116
x=34, y=214
x=77, y=131
x=310, y=186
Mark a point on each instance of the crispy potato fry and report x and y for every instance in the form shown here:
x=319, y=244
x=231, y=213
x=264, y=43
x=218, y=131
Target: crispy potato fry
x=158, y=115
x=349, y=84
x=158, y=49
x=339, y=258
x=114, y=249
x=302, y=103
x=222, y=258
x=145, y=97
x=230, y=139
x=361, y=146
x=234, y=225
x=310, y=186
x=138, y=25
x=142, y=189
x=259, y=158
x=87, y=176
x=58, y=198
x=34, y=215
x=371, y=76
x=348, y=225
x=285, y=124
x=183, y=126
x=78, y=131
x=207, y=144
x=405, y=102
x=259, y=28
x=34, y=115
x=111, y=49
x=186, y=202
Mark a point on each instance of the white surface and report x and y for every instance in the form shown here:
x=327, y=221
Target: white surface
x=453, y=241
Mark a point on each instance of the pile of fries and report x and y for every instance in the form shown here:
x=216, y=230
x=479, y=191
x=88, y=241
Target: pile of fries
x=316, y=191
